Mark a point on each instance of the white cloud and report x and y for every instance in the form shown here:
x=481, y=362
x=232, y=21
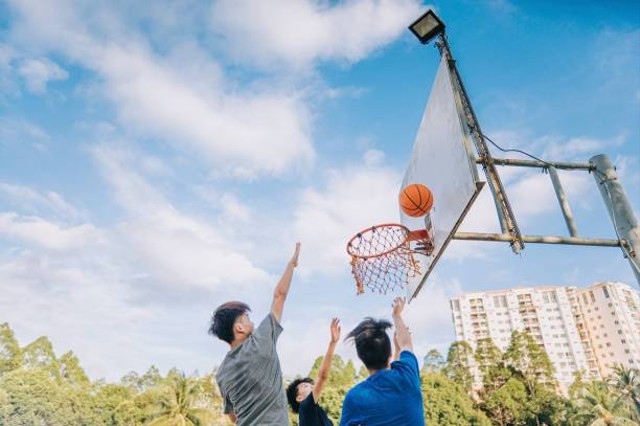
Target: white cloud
x=42, y=233
x=171, y=247
x=300, y=32
x=28, y=199
x=165, y=96
x=348, y=200
x=18, y=131
x=38, y=72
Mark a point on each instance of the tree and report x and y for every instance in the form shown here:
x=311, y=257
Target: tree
x=506, y=404
x=178, y=404
x=35, y=398
x=529, y=362
x=627, y=382
x=10, y=353
x=458, y=368
x=446, y=403
x=433, y=362
x=491, y=364
x=598, y=406
x=39, y=354
x=70, y=370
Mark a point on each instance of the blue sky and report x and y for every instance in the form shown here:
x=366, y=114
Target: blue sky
x=158, y=160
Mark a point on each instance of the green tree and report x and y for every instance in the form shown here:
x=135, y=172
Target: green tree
x=529, y=362
x=114, y=406
x=70, y=370
x=10, y=353
x=39, y=355
x=599, y=406
x=433, y=362
x=506, y=404
x=36, y=399
x=457, y=367
x=181, y=404
x=626, y=381
x=446, y=403
x=491, y=364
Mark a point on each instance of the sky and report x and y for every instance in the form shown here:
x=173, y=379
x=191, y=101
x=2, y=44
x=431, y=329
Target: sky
x=160, y=158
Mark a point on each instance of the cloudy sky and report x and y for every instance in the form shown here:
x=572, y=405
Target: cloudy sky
x=157, y=160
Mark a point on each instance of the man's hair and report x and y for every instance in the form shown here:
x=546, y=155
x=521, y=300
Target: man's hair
x=372, y=343
x=292, y=393
x=224, y=317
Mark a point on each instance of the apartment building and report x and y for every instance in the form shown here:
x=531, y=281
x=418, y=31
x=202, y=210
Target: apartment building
x=563, y=320
x=611, y=318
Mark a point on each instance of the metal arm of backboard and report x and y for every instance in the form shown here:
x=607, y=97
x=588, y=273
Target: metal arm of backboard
x=506, y=217
x=624, y=221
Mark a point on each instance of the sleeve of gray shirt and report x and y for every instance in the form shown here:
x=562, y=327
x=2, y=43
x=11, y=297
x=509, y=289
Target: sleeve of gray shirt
x=268, y=331
x=228, y=408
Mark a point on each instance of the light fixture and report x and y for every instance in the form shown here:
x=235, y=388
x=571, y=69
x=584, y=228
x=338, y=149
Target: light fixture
x=427, y=27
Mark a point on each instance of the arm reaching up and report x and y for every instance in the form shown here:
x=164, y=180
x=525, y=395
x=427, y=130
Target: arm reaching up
x=402, y=336
x=282, y=289
x=396, y=351
x=323, y=372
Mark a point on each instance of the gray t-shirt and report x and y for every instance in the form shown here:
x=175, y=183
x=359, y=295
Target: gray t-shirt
x=250, y=379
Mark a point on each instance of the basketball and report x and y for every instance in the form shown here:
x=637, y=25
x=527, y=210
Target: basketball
x=416, y=200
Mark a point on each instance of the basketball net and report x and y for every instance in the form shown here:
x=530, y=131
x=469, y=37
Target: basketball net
x=382, y=258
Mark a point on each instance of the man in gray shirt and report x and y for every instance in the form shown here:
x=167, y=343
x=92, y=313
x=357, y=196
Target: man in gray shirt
x=249, y=378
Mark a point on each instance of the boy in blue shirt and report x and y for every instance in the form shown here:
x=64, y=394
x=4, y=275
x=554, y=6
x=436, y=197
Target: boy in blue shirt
x=391, y=395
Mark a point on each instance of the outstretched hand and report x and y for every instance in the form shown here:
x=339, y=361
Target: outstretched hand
x=294, y=258
x=398, y=305
x=335, y=330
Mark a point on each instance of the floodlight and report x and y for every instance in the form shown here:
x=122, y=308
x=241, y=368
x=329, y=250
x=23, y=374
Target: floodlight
x=427, y=27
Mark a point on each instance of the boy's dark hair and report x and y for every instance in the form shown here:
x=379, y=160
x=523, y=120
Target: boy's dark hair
x=224, y=317
x=372, y=343
x=292, y=392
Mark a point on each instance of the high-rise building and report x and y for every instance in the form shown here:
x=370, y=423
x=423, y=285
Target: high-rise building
x=585, y=330
x=611, y=319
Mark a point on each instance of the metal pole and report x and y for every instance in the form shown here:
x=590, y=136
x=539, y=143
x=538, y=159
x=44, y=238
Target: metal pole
x=562, y=199
x=624, y=221
x=539, y=164
x=536, y=239
x=507, y=219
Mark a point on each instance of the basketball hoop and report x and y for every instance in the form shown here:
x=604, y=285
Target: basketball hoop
x=382, y=256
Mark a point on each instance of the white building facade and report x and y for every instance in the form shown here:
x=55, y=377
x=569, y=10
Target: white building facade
x=579, y=332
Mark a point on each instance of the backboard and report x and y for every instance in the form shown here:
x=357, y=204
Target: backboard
x=442, y=159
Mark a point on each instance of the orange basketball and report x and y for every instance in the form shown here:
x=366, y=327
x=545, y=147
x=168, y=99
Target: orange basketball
x=416, y=200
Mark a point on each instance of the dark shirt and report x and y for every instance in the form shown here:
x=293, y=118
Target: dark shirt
x=311, y=414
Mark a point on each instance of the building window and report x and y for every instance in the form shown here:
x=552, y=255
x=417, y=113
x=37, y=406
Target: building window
x=605, y=291
x=593, y=297
x=608, y=344
x=619, y=331
x=623, y=341
x=584, y=297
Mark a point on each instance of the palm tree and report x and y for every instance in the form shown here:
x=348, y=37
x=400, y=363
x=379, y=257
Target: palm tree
x=627, y=382
x=182, y=404
x=599, y=406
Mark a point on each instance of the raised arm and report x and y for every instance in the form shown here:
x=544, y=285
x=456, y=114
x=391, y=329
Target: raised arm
x=402, y=337
x=323, y=372
x=282, y=289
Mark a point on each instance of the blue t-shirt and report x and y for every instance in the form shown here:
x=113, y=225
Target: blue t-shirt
x=390, y=397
